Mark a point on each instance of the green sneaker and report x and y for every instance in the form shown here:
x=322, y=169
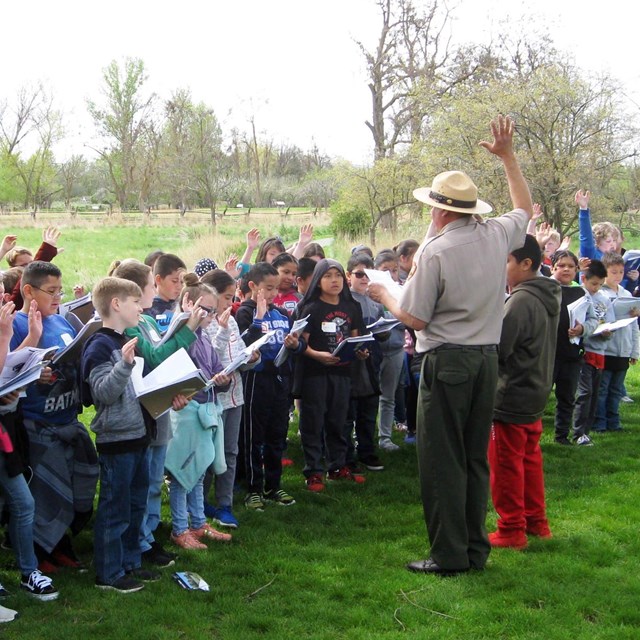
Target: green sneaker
x=254, y=502
x=279, y=496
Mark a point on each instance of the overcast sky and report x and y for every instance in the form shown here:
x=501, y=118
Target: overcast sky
x=293, y=64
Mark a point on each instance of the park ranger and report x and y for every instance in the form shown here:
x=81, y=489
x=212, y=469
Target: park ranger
x=454, y=300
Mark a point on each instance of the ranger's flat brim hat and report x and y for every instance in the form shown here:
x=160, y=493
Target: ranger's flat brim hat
x=453, y=191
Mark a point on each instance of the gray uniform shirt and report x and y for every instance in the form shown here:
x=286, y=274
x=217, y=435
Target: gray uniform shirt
x=458, y=282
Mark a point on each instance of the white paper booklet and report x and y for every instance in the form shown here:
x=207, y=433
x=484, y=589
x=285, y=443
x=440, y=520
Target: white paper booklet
x=297, y=327
x=73, y=347
x=382, y=325
x=614, y=326
x=23, y=367
x=245, y=355
x=623, y=306
x=177, y=322
x=176, y=375
x=578, y=313
x=82, y=308
x=384, y=278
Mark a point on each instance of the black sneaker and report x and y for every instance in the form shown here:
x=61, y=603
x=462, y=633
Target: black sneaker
x=144, y=575
x=563, y=440
x=124, y=584
x=39, y=586
x=372, y=462
x=158, y=558
x=3, y=592
x=158, y=547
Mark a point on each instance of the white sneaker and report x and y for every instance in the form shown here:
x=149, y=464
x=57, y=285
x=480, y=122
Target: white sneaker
x=626, y=399
x=584, y=441
x=387, y=445
x=7, y=615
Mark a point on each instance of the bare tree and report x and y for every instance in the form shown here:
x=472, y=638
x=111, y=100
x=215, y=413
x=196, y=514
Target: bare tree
x=70, y=173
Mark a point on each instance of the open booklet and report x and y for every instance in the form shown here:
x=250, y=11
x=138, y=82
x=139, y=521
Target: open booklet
x=297, y=327
x=346, y=350
x=384, y=278
x=245, y=355
x=73, y=346
x=176, y=375
x=614, y=326
x=82, y=308
x=622, y=307
x=23, y=367
x=382, y=325
x=578, y=314
x=631, y=261
x=178, y=321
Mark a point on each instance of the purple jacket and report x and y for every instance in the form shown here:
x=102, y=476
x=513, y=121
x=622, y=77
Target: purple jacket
x=206, y=359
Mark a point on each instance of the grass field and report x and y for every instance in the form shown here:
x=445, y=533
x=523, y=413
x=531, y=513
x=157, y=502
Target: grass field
x=332, y=566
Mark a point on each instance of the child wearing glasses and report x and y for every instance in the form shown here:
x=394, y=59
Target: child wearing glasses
x=63, y=458
x=192, y=450
x=363, y=407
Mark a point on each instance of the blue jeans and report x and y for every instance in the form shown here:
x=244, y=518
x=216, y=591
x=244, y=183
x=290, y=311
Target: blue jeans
x=21, y=510
x=124, y=485
x=153, y=512
x=390, y=371
x=611, y=392
x=184, y=504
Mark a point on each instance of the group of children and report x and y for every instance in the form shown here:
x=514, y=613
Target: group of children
x=235, y=429
x=554, y=333
x=232, y=431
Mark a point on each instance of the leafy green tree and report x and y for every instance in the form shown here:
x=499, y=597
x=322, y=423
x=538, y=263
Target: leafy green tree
x=123, y=120
x=380, y=190
x=572, y=130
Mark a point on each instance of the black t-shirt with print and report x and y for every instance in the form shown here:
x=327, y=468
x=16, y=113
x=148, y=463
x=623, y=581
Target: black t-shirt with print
x=328, y=326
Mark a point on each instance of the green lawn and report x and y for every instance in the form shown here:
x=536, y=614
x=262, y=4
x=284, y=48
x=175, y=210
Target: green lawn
x=332, y=566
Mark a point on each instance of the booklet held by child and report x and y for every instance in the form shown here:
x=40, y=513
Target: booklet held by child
x=176, y=375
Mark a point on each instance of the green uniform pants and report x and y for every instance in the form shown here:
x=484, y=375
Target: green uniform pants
x=455, y=410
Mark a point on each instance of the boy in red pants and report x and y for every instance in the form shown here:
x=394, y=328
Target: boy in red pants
x=525, y=375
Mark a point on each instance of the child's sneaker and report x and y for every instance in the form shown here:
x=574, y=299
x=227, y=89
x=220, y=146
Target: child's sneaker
x=3, y=592
x=372, y=462
x=207, y=531
x=39, y=586
x=254, y=502
x=387, y=445
x=344, y=473
x=410, y=438
x=584, y=441
x=515, y=541
x=124, y=584
x=279, y=496
x=540, y=531
x=223, y=516
x=209, y=510
x=186, y=540
x=315, y=482
x=144, y=575
x=158, y=556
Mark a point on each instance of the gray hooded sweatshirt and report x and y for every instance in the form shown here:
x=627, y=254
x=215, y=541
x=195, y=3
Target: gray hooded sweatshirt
x=527, y=350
